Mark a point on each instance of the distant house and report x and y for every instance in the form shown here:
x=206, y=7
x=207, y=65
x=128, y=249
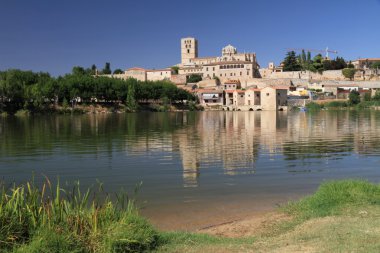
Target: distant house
x=210, y=97
x=273, y=97
x=232, y=85
x=364, y=63
x=253, y=97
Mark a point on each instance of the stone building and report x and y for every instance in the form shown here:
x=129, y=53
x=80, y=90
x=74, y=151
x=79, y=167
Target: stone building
x=273, y=98
x=231, y=63
x=365, y=63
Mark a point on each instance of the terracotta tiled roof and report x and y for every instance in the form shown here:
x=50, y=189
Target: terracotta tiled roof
x=369, y=59
x=278, y=87
x=137, y=68
x=157, y=70
x=232, y=82
x=254, y=89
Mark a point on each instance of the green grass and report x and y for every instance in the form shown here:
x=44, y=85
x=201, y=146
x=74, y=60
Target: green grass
x=336, y=104
x=196, y=242
x=333, y=197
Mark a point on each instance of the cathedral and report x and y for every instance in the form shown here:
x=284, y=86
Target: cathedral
x=230, y=65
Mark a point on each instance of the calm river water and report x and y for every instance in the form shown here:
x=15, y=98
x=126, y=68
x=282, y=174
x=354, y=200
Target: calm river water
x=197, y=168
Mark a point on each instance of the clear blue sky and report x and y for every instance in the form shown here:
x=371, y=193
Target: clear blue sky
x=53, y=36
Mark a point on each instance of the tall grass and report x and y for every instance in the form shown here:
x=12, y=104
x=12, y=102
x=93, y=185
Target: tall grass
x=52, y=219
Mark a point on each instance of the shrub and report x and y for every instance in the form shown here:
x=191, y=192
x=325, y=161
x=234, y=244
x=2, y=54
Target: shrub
x=354, y=97
x=349, y=73
x=336, y=104
x=313, y=106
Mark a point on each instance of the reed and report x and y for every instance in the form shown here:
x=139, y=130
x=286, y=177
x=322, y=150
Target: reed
x=50, y=218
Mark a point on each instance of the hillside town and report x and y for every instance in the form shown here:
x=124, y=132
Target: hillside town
x=236, y=81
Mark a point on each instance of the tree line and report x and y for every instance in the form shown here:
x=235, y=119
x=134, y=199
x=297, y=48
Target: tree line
x=32, y=90
x=318, y=63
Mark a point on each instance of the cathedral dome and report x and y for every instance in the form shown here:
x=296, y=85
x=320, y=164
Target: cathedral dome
x=229, y=50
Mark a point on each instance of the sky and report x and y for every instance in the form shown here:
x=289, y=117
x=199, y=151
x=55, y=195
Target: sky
x=53, y=36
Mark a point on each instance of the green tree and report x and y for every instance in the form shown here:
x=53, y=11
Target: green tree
x=349, y=73
x=194, y=78
x=376, y=97
x=93, y=69
x=375, y=65
x=77, y=70
x=354, y=97
x=107, y=69
x=291, y=63
x=118, y=71
x=317, y=65
x=175, y=70
x=131, y=100
x=350, y=65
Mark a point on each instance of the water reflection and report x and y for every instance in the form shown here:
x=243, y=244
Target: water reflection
x=189, y=143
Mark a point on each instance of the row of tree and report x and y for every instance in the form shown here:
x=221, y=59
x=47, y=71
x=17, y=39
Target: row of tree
x=94, y=70
x=318, y=63
x=27, y=89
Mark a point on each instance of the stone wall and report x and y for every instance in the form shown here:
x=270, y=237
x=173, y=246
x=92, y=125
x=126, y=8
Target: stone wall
x=361, y=75
x=178, y=79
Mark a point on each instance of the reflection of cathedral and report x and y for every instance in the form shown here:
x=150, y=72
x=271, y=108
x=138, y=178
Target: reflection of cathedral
x=233, y=141
x=230, y=139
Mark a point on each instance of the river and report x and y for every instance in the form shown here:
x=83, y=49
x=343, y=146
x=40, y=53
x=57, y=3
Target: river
x=197, y=168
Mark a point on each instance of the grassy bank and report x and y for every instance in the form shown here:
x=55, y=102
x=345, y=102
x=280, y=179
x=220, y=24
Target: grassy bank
x=341, y=216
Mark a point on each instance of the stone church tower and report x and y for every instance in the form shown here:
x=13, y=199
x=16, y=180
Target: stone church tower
x=189, y=49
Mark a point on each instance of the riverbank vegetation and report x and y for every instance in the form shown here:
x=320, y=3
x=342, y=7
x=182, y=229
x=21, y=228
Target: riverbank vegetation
x=340, y=216
x=40, y=92
x=355, y=101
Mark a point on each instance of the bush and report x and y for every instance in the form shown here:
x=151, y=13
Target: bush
x=194, y=78
x=312, y=106
x=336, y=104
x=349, y=73
x=354, y=97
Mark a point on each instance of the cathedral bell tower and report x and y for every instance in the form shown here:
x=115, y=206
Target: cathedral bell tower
x=189, y=49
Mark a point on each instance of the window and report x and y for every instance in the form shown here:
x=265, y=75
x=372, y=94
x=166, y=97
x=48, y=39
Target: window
x=221, y=75
x=247, y=73
x=267, y=94
x=213, y=68
x=241, y=73
x=230, y=74
x=206, y=69
x=161, y=73
x=188, y=51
